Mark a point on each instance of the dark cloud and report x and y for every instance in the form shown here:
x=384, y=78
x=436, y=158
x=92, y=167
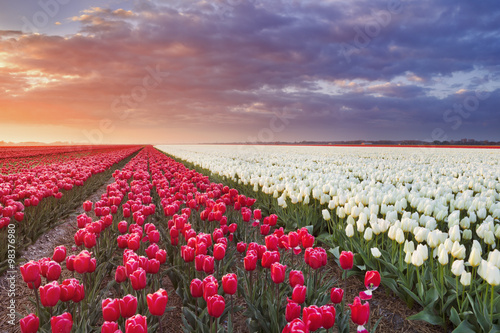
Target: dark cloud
x=242, y=62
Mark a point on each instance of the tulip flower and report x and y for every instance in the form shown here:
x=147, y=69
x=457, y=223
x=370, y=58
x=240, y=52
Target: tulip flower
x=120, y=274
x=219, y=252
x=62, y=323
x=299, y=294
x=278, y=272
x=296, y=326
x=81, y=262
x=68, y=288
x=109, y=327
x=110, y=309
x=138, y=279
x=136, y=324
x=241, y=247
x=208, y=264
x=250, y=262
x=196, y=288
x=328, y=315
x=216, y=305
x=292, y=311
x=153, y=266
x=313, y=317
x=360, y=313
x=375, y=252
x=161, y=256
x=128, y=306
x=346, y=260
x=157, y=302
x=336, y=295
x=87, y=206
x=79, y=294
x=307, y=241
x=230, y=283
x=29, y=324
x=30, y=271
x=372, y=280
x=53, y=271
x=296, y=278
x=59, y=254
x=209, y=290
x=50, y=294
x=269, y=258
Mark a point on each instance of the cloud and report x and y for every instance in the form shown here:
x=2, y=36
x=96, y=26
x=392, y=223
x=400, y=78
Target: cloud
x=196, y=64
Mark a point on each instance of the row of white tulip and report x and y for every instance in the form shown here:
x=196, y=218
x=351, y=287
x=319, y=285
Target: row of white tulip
x=441, y=197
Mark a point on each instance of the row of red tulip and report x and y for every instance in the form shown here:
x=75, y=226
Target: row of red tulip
x=185, y=191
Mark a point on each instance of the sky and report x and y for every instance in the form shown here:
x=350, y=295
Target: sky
x=187, y=71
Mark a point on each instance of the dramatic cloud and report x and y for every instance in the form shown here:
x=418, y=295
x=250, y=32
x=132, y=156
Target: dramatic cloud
x=246, y=70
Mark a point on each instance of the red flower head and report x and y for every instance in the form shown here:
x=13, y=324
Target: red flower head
x=30, y=271
x=359, y=312
x=216, y=305
x=230, y=283
x=59, y=254
x=110, y=309
x=292, y=311
x=196, y=288
x=250, y=262
x=299, y=294
x=328, y=316
x=136, y=324
x=50, y=294
x=346, y=260
x=138, y=279
x=296, y=278
x=29, y=324
x=128, y=306
x=62, y=323
x=313, y=317
x=241, y=247
x=336, y=295
x=157, y=302
x=278, y=272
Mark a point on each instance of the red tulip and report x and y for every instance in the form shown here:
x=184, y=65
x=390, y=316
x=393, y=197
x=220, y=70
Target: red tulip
x=121, y=274
x=79, y=292
x=59, y=253
x=219, y=251
x=62, y=323
x=372, y=280
x=216, y=305
x=153, y=266
x=68, y=289
x=328, y=314
x=81, y=262
x=92, y=265
x=208, y=264
x=296, y=278
x=157, y=302
x=359, y=312
x=307, y=241
x=296, y=326
x=336, y=295
x=264, y=229
x=196, y=288
x=128, y=306
x=89, y=240
x=269, y=258
x=36, y=284
x=136, y=324
x=346, y=260
x=138, y=279
x=292, y=311
x=209, y=290
x=293, y=239
x=30, y=271
x=278, y=272
x=299, y=294
x=87, y=206
x=53, y=271
x=109, y=327
x=241, y=247
x=122, y=227
x=250, y=262
x=154, y=236
x=230, y=283
x=161, y=256
x=313, y=317
x=271, y=242
x=50, y=294
x=110, y=309
x=29, y=324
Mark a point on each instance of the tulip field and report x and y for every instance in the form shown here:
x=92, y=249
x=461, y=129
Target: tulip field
x=251, y=232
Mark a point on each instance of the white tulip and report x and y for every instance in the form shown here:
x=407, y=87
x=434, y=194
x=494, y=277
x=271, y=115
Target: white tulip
x=474, y=257
x=326, y=214
x=457, y=267
x=465, y=278
x=368, y=234
x=349, y=230
x=454, y=233
x=376, y=252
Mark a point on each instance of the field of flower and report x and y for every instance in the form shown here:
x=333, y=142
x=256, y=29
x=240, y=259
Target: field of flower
x=428, y=219
x=250, y=231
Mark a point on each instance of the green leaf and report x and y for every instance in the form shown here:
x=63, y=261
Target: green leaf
x=429, y=316
x=335, y=251
x=412, y=295
x=454, y=317
x=431, y=296
x=464, y=327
